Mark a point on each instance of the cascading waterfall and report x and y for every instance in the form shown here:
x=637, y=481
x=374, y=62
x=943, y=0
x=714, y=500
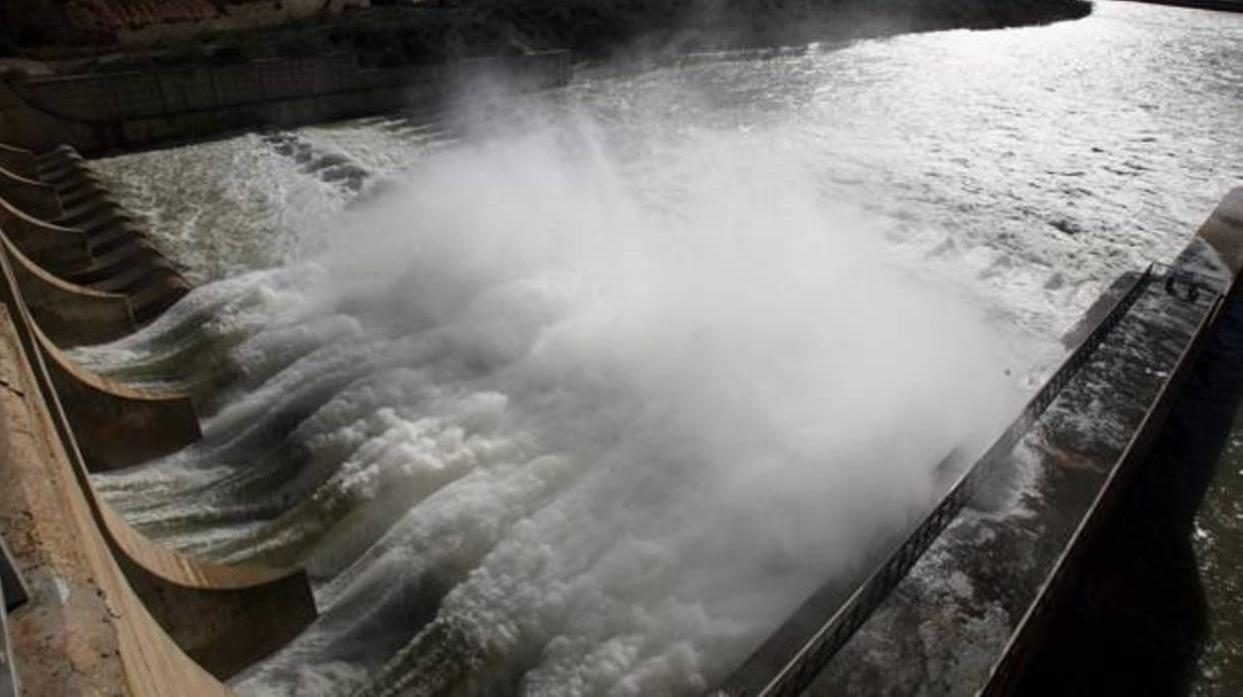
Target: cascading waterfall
x=545, y=421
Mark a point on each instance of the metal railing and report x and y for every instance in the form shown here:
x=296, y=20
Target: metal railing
x=798, y=673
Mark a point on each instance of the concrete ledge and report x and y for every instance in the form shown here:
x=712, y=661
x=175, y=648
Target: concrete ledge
x=32, y=197
x=70, y=314
x=52, y=246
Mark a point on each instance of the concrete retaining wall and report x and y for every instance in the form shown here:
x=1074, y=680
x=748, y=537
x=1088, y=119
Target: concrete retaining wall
x=127, y=110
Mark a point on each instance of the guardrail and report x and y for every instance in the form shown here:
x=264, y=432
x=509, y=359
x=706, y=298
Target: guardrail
x=1190, y=287
x=799, y=672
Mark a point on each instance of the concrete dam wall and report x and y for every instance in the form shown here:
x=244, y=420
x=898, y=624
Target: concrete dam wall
x=126, y=110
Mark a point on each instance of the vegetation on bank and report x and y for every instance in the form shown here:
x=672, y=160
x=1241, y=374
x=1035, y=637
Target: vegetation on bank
x=393, y=34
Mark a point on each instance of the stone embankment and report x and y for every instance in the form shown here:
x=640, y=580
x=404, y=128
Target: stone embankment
x=100, y=608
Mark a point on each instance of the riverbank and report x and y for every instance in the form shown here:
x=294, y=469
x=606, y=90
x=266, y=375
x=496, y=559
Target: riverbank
x=1217, y=5
x=656, y=26
x=446, y=30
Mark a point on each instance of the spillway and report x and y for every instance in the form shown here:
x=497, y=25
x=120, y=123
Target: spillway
x=589, y=392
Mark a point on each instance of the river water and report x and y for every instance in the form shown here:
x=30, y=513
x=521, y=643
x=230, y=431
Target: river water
x=583, y=394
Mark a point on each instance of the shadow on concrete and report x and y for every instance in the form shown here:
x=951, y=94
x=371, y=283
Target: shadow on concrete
x=1135, y=620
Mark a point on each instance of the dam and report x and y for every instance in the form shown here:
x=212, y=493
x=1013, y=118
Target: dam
x=615, y=388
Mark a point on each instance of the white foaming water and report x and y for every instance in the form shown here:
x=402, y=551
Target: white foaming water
x=239, y=185
x=737, y=394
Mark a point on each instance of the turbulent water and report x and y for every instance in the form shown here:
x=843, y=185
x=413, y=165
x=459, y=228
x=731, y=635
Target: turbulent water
x=584, y=394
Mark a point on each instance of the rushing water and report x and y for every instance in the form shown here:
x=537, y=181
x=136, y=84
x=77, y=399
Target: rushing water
x=584, y=395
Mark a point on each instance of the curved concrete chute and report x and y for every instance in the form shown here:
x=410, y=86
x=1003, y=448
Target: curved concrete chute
x=52, y=246
x=60, y=153
x=33, y=197
x=18, y=161
x=223, y=616
x=128, y=264
x=104, y=223
x=90, y=210
x=93, y=215
x=78, y=188
x=71, y=197
x=117, y=425
x=126, y=280
x=72, y=177
x=157, y=295
x=128, y=646
x=70, y=314
x=57, y=160
x=136, y=253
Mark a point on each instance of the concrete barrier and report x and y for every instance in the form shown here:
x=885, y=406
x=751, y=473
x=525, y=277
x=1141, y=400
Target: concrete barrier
x=225, y=617
x=32, y=197
x=71, y=315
